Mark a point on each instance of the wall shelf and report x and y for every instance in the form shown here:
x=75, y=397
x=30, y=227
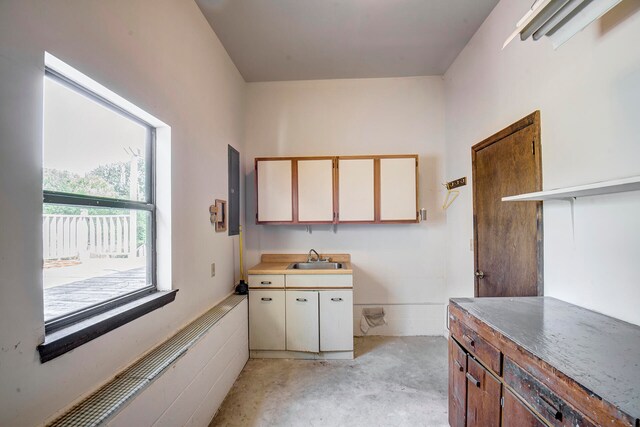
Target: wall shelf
x=570, y=193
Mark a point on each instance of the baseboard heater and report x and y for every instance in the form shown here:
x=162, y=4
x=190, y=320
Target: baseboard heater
x=113, y=396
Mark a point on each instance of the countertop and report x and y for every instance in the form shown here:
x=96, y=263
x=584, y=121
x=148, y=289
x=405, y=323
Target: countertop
x=278, y=263
x=599, y=352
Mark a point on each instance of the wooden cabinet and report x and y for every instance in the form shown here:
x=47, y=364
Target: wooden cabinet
x=398, y=189
x=302, y=330
x=517, y=353
x=336, y=318
x=457, y=385
x=274, y=191
x=483, y=396
x=267, y=319
x=351, y=189
x=516, y=414
x=356, y=187
x=315, y=180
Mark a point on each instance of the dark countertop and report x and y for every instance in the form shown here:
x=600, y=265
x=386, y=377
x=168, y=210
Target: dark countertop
x=597, y=351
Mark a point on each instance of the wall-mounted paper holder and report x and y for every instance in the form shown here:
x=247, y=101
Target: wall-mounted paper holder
x=218, y=215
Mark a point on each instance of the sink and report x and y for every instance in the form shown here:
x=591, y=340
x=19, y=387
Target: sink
x=318, y=265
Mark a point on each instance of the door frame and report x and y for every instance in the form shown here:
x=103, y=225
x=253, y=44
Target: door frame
x=532, y=119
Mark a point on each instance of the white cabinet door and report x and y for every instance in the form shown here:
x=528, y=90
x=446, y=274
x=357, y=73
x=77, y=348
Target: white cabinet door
x=315, y=190
x=336, y=320
x=398, y=189
x=275, y=191
x=302, y=321
x=355, y=190
x=267, y=320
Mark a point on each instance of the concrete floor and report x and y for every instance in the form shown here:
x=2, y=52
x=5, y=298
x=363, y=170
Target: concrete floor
x=393, y=381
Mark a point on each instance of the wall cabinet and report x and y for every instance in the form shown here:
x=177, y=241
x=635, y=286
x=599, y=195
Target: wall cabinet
x=275, y=191
x=398, y=189
x=345, y=189
x=356, y=190
x=315, y=190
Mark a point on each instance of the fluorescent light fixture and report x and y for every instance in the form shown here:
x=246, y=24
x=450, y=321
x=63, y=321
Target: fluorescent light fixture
x=559, y=19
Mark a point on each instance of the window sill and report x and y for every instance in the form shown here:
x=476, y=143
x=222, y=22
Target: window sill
x=61, y=341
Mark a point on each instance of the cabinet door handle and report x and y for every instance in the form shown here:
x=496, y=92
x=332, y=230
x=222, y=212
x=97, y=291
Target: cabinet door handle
x=301, y=299
x=557, y=414
x=470, y=340
x=265, y=283
x=473, y=380
x=460, y=367
x=266, y=299
x=336, y=299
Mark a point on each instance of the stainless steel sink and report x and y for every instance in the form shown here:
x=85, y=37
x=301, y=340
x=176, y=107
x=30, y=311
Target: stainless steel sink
x=318, y=265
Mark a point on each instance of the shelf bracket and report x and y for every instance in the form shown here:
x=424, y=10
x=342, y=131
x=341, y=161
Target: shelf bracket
x=572, y=202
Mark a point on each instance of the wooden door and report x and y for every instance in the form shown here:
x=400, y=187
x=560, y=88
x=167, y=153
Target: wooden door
x=315, y=190
x=356, y=200
x=336, y=319
x=303, y=329
x=266, y=320
x=515, y=414
x=457, y=384
x=398, y=189
x=483, y=396
x=508, y=235
x=275, y=191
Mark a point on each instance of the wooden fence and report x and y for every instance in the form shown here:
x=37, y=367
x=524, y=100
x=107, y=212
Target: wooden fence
x=84, y=236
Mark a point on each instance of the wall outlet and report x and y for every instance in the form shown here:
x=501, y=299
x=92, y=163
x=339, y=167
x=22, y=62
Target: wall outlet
x=213, y=269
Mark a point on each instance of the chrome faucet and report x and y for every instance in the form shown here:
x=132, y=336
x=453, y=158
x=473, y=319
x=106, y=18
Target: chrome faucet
x=310, y=258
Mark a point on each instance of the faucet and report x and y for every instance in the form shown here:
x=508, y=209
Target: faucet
x=310, y=258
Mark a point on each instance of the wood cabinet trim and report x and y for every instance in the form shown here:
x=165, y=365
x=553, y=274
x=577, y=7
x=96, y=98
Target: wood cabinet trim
x=335, y=177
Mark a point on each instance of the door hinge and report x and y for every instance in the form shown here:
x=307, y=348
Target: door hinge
x=533, y=148
x=502, y=401
x=256, y=216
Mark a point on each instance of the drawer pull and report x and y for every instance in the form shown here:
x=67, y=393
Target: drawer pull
x=469, y=340
x=266, y=299
x=473, y=380
x=301, y=299
x=336, y=299
x=557, y=414
x=265, y=282
x=460, y=367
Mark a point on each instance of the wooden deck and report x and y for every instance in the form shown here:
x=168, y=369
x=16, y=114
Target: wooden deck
x=70, y=297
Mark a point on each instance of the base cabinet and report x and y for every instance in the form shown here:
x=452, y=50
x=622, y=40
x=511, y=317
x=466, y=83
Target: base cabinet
x=457, y=385
x=336, y=318
x=303, y=330
x=483, y=396
x=515, y=414
x=266, y=320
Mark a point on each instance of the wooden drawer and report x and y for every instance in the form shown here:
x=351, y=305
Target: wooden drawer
x=266, y=281
x=550, y=406
x=475, y=344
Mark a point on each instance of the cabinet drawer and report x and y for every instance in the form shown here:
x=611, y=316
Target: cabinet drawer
x=474, y=343
x=554, y=410
x=266, y=281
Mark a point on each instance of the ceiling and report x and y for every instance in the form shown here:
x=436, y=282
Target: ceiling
x=271, y=40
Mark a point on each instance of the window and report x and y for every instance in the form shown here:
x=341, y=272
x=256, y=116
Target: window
x=99, y=204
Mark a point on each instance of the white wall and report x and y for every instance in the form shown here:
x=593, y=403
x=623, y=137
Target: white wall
x=398, y=266
x=163, y=57
x=588, y=92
